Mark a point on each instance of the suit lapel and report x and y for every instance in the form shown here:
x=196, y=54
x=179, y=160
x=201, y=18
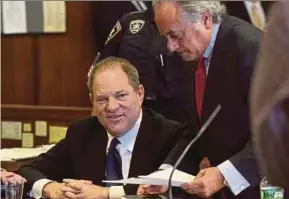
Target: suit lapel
x=220, y=59
x=95, y=155
x=141, y=152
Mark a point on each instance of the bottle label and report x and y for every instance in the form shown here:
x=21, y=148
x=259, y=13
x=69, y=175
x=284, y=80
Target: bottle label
x=272, y=193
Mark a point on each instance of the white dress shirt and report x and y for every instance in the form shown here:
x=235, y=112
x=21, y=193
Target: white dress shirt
x=125, y=149
x=234, y=179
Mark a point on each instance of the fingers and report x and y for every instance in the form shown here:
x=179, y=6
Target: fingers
x=19, y=178
x=77, y=185
x=13, y=178
x=71, y=195
x=205, y=163
x=151, y=189
x=201, y=173
x=140, y=190
x=192, y=187
x=88, y=182
x=70, y=189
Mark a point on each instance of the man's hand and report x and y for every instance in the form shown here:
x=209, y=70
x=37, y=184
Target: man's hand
x=151, y=189
x=11, y=177
x=76, y=189
x=53, y=190
x=206, y=183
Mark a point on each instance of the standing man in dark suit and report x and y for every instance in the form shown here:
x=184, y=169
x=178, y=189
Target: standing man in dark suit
x=255, y=12
x=225, y=50
x=121, y=141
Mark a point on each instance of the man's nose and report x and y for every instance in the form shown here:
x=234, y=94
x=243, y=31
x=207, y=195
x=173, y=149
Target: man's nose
x=112, y=104
x=172, y=45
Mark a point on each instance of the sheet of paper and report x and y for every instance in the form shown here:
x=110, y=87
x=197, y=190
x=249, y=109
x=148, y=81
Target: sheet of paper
x=159, y=178
x=54, y=16
x=27, y=140
x=14, y=17
x=27, y=127
x=178, y=176
x=56, y=133
x=21, y=153
x=41, y=128
x=11, y=130
x=132, y=181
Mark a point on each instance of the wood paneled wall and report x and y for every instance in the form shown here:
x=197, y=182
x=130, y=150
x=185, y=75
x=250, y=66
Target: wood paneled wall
x=50, y=69
x=53, y=115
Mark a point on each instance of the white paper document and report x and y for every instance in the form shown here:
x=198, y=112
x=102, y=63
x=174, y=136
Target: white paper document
x=22, y=153
x=14, y=17
x=158, y=178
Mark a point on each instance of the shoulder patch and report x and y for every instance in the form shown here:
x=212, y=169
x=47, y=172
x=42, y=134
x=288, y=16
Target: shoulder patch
x=136, y=25
x=116, y=29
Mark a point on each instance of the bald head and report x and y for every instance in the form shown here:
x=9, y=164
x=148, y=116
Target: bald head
x=163, y=18
x=187, y=33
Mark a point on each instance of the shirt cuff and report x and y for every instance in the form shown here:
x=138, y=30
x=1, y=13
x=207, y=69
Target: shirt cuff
x=37, y=188
x=165, y=166
x=235, y=181
x=116, y=192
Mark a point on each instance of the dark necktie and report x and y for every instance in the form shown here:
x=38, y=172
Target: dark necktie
x=200, y=80
x=113, y=162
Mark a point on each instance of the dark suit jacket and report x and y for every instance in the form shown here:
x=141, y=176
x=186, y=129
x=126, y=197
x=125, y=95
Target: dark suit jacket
x=227, y=84
x=82, y=153
x=238, y=9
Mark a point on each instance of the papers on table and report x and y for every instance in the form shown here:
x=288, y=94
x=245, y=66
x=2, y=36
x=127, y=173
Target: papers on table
x=158, y=178
x=22, y=153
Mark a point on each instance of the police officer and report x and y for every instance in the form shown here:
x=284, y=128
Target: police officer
x=106, y=13
x=135, y=37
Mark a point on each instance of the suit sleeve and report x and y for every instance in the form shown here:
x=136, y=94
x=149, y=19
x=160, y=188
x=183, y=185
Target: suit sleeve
x=171, y=135
x=245, y=161
x=192, y=156
x=54, y=165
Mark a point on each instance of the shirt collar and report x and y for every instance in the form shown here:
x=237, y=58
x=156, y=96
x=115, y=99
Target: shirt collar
x=209, y=49
x=128, y=139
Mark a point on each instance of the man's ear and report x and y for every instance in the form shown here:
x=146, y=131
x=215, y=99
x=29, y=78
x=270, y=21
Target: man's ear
x=91, y=98
x=141, y=93
x=207, y=20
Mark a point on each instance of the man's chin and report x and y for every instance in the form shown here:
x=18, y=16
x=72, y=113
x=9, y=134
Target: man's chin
x=116, y=131
x=188, y=58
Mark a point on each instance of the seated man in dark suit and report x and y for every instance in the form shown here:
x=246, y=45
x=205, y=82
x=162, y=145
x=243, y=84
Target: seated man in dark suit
x=123, y=140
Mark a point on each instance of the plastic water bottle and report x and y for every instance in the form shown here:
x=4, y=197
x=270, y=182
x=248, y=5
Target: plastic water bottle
x=269, y=191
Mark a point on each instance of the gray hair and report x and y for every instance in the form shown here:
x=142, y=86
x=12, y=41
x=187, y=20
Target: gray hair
x=194, y=9
x=110, y=63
